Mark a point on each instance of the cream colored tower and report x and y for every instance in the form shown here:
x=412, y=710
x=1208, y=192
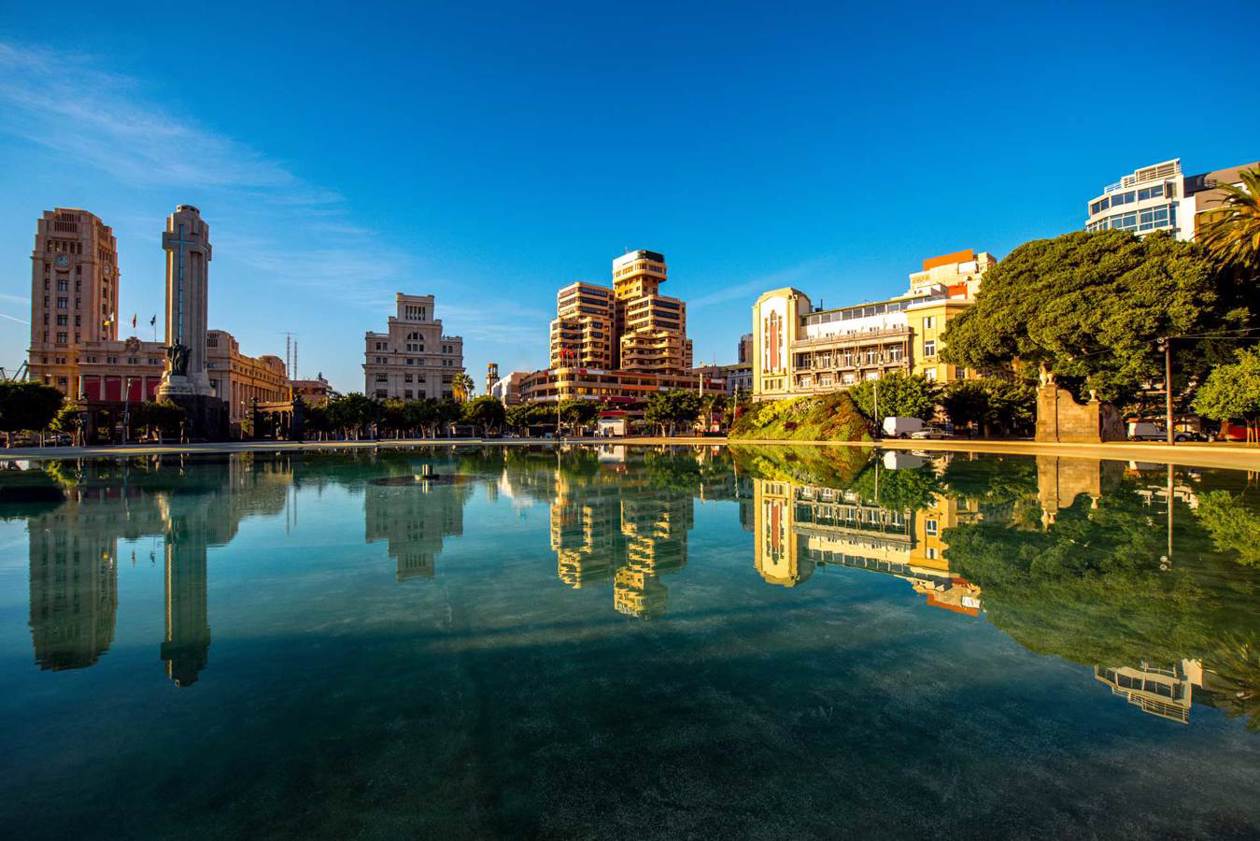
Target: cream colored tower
x=186, y=241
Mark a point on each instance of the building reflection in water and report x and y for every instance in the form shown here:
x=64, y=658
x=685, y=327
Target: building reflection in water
x=1165, y=692
x=186, y=648
x=801, y=527
x=74, y=585
x=414, y=519
x=616, y=523
x=620, y=518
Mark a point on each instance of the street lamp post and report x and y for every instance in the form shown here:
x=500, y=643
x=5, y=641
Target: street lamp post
x=878, y=426
x=1166, y=345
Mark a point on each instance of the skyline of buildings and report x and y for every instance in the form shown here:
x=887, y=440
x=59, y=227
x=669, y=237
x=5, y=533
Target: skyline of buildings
x=618, y=345
x=74, y=344
x=620, y=342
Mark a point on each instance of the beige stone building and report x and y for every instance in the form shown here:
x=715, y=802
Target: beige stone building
x=412, y=359
x=507, y=389
x=316, y=392
x=74, y=313
x=239, y=380
x=800, y=349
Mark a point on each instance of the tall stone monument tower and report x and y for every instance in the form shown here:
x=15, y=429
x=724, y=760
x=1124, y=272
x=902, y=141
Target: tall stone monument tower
x=185, y=382
x=186, y=241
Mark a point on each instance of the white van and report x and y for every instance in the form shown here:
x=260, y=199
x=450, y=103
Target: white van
x=901, y=427
x=1145, y=431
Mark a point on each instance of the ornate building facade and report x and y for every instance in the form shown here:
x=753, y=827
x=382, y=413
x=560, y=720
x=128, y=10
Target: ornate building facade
x=412, y=359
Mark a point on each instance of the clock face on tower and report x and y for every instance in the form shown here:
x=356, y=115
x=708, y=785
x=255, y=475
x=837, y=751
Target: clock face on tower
x=62, y=261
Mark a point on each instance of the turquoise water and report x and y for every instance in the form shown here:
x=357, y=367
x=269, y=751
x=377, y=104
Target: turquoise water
x=628, y=643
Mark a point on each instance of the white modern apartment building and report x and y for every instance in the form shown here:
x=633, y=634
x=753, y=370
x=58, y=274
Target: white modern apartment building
x=1160, y=197
x=413, y=359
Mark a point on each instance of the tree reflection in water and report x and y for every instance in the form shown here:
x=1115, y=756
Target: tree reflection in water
x=1146, y=574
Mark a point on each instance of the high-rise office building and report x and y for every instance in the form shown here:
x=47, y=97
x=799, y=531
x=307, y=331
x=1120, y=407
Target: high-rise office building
x=583, y=333
x=622, y=344
x=651, y=328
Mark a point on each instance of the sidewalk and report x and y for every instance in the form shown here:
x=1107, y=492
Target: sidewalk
x=1230, y=455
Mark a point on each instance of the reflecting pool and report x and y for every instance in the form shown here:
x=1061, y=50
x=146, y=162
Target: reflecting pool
x=613, y=642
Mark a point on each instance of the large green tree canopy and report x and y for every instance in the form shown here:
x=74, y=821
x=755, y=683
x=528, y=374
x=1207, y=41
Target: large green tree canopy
x=1091, y=307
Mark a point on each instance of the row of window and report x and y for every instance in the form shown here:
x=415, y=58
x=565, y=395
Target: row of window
x=1151, y=219
x=861, y=311
x=850, y=359
x=383, y=394
x=1129, y=197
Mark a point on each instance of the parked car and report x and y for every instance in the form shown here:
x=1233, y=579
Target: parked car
x=896, y=427
x=930, y=432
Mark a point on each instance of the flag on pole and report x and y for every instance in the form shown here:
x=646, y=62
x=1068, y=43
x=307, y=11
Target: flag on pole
x=133, y=321
x=153, y=321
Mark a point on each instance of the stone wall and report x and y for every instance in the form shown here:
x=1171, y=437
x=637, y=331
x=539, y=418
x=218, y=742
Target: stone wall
x=1060, y=418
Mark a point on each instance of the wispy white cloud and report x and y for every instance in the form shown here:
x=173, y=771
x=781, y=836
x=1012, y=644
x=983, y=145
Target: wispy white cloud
x=750, y=289
x=272, y=224
x=14, y=318
x=514, y=326
x=65, y=102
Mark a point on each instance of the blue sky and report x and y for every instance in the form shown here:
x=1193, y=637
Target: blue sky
x=490, y=154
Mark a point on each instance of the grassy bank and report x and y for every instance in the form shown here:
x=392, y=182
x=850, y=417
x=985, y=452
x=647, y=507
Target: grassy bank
x=826, y=417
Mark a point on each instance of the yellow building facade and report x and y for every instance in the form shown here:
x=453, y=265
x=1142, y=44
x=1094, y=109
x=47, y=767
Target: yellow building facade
x=798, y=349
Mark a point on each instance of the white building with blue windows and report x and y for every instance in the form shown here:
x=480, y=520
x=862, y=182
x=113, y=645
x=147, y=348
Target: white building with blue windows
x=1160, y=198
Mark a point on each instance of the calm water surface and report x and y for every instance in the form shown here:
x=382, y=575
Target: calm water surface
x=628, y=643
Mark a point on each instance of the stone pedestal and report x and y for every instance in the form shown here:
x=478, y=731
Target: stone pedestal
x=175, y=385
x=205, y=416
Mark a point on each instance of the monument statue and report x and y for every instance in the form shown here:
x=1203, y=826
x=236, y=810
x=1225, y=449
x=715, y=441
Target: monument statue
x=178, y=356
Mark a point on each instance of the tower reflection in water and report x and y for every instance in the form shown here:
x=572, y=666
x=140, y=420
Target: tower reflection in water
x=1070, y=557
x=74, y=551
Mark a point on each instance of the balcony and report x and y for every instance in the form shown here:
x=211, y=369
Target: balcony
x=870, y=336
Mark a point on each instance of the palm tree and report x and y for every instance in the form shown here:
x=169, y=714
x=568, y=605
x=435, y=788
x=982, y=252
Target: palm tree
x=1231, y=231
x=463, y=386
